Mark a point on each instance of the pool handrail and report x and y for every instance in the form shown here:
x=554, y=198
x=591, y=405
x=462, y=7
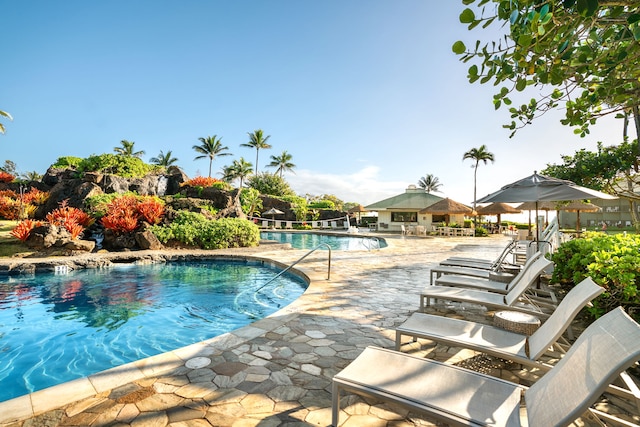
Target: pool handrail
x=296, y=262
x=255, y=293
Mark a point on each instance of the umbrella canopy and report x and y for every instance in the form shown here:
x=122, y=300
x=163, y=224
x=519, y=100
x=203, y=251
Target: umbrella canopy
x=447, y=206
x=357, y=210
x=572, y=206
x=539, y=188
x=497, y=209
x=273, y=211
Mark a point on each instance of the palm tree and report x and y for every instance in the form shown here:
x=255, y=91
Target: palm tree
x=430, y=183
x=257, y=140
x=477, y=155
x=8, y=116
x=282, y=163
x=239, y=169
x=163, y=159
x=211, y=147
x=126, y=149
x=31, y=176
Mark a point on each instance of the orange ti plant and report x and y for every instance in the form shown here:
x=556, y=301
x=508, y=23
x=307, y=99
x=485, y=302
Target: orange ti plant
x=201, y=181
x=72, y=219
x=23, y=229
x=151, y=210
x=122, y=214
x=6, y=177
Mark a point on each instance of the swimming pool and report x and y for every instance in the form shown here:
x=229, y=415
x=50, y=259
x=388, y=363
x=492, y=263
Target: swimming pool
x=310, y=241
x=59, y=327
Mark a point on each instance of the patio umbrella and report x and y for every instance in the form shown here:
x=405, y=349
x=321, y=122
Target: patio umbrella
x=497, y=209
x=539, y=188
x=273, y=212
x=578, y=206
x=542, y=206
x=447, y=207
x=357, y=209
x=571, y=206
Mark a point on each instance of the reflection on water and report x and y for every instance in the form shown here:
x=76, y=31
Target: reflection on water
x=57, y=327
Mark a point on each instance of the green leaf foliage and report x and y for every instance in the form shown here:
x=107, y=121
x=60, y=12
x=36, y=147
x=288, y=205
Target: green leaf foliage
x=458, y=47
x=193, y=229
x=577, y=54
x=612, y=261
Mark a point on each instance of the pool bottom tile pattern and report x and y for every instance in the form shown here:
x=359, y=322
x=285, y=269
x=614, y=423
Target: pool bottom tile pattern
x=278, y=370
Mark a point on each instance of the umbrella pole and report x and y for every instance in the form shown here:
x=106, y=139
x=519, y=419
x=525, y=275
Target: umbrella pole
x=537, y=227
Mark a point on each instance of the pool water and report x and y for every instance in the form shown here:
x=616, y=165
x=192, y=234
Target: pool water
x=312, y=240
x=59, y=327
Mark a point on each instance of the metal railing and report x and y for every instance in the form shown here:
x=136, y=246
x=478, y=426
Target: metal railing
x=370, y=243
x=255, y=292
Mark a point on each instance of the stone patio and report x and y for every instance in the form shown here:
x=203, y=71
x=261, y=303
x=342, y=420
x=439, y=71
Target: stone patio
x=277, y=371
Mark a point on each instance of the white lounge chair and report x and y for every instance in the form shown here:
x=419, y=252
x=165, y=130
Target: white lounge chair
x=534, y=268
x=499, y=342
x=493, y=264
x=515, y=299
x=482, y=273
x=458, y=396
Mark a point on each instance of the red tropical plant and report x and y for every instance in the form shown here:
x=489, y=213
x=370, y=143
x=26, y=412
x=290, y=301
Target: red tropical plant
x=35, y=196
x=201, y=181
x=74, y=229
x=6, y=177
x=23, y=229
x=122, y=214
x=120, y=224
x=9, y=208
x=9, y=193
x=151, y=210
x=74, y=220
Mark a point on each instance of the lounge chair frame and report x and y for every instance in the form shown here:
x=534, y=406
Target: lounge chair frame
x=462, y=397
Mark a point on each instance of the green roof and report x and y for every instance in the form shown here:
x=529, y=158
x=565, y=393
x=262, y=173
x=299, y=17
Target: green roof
x=412, y=199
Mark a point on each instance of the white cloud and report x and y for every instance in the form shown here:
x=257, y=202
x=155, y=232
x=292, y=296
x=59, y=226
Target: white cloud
x=363, y=186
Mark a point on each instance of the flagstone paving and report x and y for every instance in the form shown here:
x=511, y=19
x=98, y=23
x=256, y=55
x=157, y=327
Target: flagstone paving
x=278, y=370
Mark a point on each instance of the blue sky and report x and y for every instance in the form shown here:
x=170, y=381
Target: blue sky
x=366, y=95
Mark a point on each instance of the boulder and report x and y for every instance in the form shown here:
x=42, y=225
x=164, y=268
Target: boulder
x=118, y=242
x=147, y=240
x=80, y=245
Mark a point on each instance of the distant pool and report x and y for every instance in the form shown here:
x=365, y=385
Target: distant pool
x=58, y=327
x=313, y=240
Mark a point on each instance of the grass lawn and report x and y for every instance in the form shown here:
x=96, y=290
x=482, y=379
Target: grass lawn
x=9, y=245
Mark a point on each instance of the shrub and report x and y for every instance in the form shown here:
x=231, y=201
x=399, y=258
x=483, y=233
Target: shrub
x=6, y=177
x=35, y=196
x=9, y=208
x=322, y=204
x=151, y=209
x=122, y=215
x=271, y=185
x=201, y=181
x=612, y=261
x=192, y=228
x=67, y=162
x=74, y=220
x=481, y=232
x=23, y=229
x=99, y=204
x=125, y=166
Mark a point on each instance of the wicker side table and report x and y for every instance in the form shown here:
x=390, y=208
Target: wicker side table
x=514, y=321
